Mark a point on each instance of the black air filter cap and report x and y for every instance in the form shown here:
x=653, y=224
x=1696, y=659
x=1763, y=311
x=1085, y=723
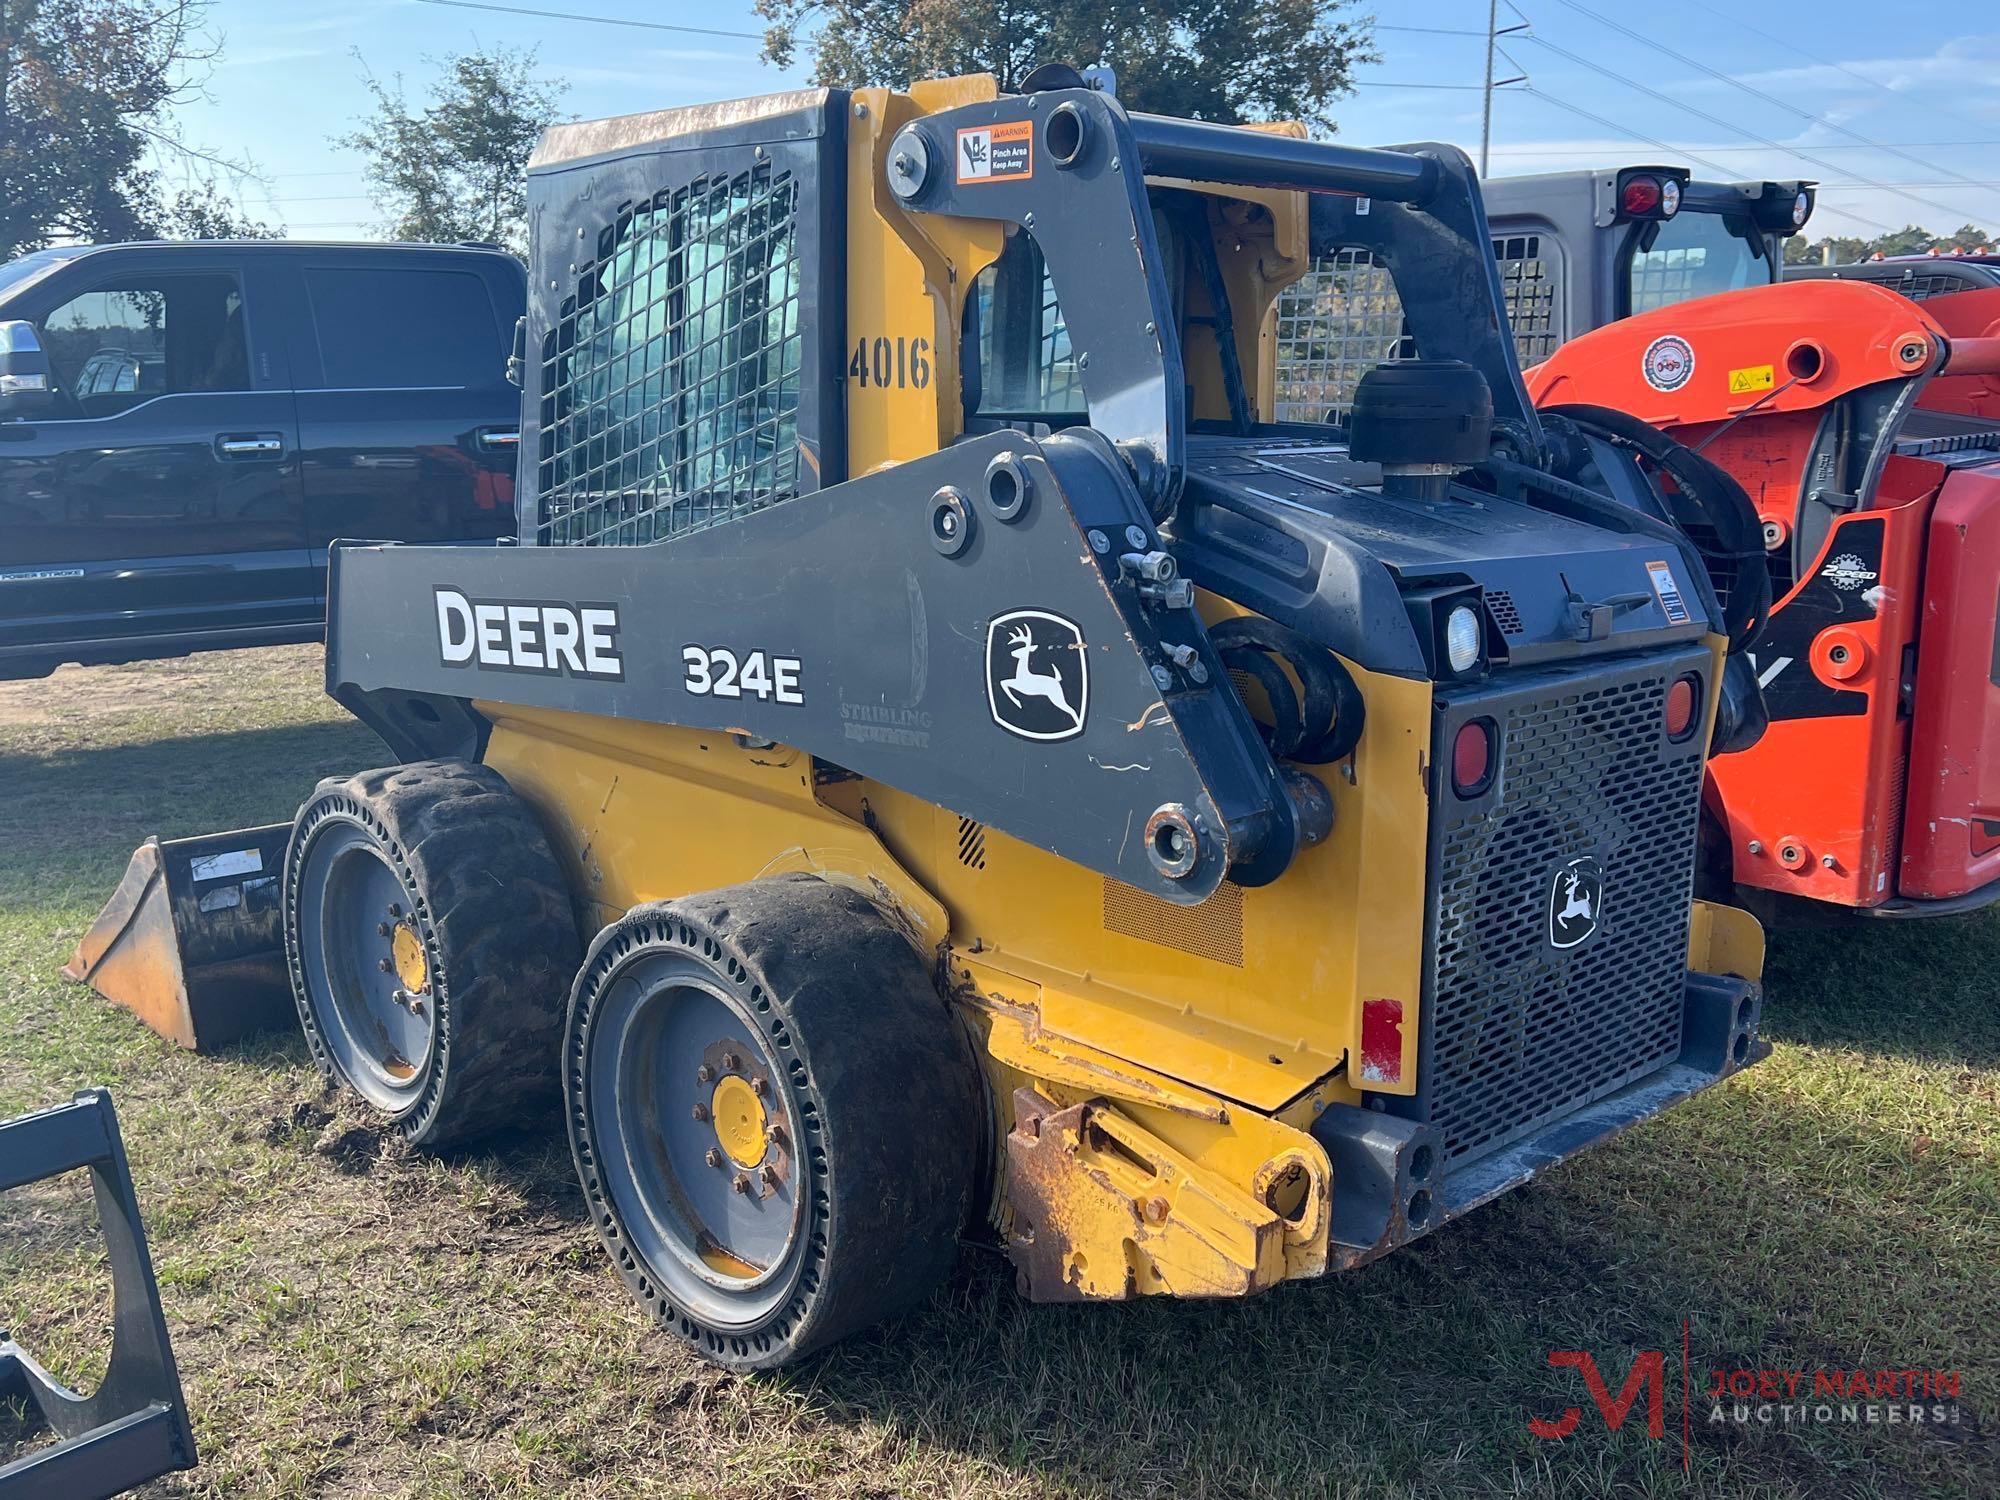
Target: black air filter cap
x=1421, y=411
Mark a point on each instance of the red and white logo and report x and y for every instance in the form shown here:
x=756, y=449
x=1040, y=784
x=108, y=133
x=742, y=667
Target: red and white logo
x=1668, y=363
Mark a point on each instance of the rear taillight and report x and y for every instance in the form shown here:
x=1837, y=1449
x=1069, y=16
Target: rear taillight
x=1642, y=196
x=1649, y=195
x=1472, y=758
x=1683, y=707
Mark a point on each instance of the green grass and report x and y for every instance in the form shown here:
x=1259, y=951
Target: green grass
x=354, y=1320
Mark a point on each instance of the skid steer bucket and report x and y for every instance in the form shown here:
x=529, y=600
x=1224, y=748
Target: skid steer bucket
x=192, y=939
x=135, y=1427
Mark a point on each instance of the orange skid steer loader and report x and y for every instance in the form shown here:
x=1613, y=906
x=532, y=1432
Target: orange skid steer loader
x=1866, y=429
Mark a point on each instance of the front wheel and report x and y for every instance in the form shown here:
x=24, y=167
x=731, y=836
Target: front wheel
x=431, y=942
x=775, y=1117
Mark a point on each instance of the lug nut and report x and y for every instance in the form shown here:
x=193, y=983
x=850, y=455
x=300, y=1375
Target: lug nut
x=704, y=1074
x=739, y=1183
x=385, y=966
x=759, y=1087
x=382, y=929
x=713, y=1158
x=395, y=909
x=729, y=1062
x=701, y=1111
x=770, y=1176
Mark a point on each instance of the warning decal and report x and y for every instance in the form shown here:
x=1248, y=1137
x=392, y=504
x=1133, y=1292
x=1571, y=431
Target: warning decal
x=997, y=153
x=1669, y=590
x=1753, y=378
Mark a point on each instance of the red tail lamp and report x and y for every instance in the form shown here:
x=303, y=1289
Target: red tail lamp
x=1683, y=706
x=1642, y=195
x=1472, y=757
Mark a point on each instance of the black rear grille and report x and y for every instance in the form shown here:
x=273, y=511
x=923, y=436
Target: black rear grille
x=1519, y=1033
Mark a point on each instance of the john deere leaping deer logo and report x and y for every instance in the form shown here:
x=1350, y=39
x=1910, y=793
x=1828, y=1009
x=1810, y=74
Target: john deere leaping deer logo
x=1576, y=901
x=1037, y=675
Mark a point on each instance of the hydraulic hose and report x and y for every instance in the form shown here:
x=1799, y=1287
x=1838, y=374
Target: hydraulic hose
x=1315, y=723
x=1720, y=501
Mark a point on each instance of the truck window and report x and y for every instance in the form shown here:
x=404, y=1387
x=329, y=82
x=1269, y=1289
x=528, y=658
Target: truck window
x=1027, y=369
x=1693, y=255
x=390, y=327
x=114, y=347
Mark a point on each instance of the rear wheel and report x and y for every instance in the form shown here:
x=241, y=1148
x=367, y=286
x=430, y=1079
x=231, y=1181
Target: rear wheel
x=775, y=1117
x=431, y=941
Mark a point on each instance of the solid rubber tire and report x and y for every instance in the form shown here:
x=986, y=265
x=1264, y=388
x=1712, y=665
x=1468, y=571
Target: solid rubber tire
x=499, y=933
x=879, y=1070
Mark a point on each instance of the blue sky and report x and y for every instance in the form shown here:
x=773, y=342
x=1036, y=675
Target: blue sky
x=1838, y=80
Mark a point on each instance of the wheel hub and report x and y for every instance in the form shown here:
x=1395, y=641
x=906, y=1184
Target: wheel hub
x=740, y=1123
x=406, y=954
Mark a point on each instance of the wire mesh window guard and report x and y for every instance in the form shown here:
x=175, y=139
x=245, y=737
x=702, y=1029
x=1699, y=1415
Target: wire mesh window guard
x=1334, y=324
x=1344, y=317
x=1531, y=285
x=670, y=386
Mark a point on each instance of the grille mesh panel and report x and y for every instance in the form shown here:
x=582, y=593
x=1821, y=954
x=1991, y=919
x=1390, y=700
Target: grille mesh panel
x=1505, y=614
x=1212, y=929
x=670, y=386
x=1520, y=1033
x=1918, y=287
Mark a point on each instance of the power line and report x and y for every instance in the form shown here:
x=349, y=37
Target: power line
x=1432, y=30
x=1370, y=83
x=1757, y=93
x=564, y=15
x=1567, y=151
x=1576, y=109
x=1985, y=183
x=1722, y=124
x=1814, y=57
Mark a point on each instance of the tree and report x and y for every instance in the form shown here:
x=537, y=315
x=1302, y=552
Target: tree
x=1223, y=60
x=456, y=169
x=87, y=90
x=1911, y=239
x=203, y=213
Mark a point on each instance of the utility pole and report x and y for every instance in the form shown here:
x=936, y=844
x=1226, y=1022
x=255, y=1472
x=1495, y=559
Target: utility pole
x=1494, y=31
x=1486, y=110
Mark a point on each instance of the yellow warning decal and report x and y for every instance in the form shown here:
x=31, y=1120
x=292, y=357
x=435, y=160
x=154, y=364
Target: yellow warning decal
x=1752, y=378
x=997, y=153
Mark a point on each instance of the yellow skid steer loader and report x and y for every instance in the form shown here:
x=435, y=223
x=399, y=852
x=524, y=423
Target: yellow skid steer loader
x=940, y=757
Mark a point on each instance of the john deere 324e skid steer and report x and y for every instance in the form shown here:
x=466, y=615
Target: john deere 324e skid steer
x=938, y=758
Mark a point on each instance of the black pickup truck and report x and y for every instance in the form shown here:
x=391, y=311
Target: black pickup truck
x=184, y=428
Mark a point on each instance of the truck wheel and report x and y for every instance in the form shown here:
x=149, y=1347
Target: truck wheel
x=776, y=1119
x=431, y=941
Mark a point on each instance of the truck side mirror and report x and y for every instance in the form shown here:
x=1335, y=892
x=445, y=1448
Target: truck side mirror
x=25, y=389
x=517, y=362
